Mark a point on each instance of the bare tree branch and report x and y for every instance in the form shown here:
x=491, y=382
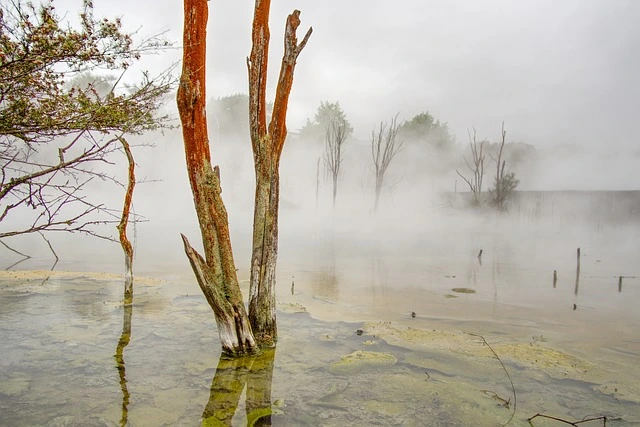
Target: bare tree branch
x=335, y=136
x=384, y=147
x=476, y=167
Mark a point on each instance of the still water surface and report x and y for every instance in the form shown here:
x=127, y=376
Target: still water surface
x=410, y=315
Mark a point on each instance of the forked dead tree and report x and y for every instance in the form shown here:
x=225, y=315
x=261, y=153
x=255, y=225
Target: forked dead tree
x=384, y=147
x=335, y=136
x=216, y=273
x=476, y=167
x=267, y=144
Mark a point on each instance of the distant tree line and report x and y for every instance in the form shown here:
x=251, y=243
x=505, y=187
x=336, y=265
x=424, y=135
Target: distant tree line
x=428, y=140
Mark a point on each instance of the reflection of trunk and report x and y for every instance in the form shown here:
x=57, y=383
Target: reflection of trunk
x=119, y=356
x=122, y=226
x=267, y=147
x=229, y=381
x=217, y=274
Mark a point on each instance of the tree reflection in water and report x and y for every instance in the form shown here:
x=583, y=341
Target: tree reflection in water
x=119, y=356
x=230, y=379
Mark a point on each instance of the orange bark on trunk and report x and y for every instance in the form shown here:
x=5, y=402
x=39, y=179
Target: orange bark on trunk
x=127, y=248
x=216, y=272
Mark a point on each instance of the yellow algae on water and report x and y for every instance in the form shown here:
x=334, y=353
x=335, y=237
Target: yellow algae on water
x=361, y=360
x=291, y=307
x=28, y=275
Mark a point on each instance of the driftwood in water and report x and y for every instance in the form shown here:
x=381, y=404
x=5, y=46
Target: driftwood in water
x=573, y=423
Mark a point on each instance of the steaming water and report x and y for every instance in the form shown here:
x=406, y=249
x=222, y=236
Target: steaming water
x=571, y=350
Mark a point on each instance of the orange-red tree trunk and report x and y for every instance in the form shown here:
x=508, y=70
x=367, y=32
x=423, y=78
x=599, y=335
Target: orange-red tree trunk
x=127, y=248
x=267, y=148
x=216, y=273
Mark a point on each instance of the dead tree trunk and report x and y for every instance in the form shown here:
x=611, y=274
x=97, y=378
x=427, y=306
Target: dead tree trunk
x=500, y=164
x=267, y=147
x=505, y=184
x=216, y=274
x=127, y=248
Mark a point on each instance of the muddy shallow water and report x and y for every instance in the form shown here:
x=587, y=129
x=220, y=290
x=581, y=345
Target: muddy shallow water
x=369, y=335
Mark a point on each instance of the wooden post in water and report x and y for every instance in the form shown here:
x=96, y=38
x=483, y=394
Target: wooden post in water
x=480, y=257
x=577, y=272
x=619, y=283
x=555, y=278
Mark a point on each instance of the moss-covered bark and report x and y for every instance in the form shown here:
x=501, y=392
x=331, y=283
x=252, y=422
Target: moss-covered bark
x=127, y=247
x=267, y=148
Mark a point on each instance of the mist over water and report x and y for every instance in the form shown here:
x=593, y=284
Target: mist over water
x=565, y=89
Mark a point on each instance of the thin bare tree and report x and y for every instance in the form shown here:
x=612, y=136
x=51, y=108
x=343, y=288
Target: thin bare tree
x=384, y=147
x=476, y=167
x=335, y=136
x=216, y=273
x=267, y=144
x=504, y=184
x=125, y=243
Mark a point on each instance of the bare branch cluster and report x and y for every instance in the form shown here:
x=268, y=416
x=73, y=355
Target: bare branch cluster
x=476, y=167
x=335, y=136
x=61, y=126
x=384, y=147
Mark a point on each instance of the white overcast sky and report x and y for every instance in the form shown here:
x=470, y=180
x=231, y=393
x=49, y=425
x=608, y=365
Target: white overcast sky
x=557, y=72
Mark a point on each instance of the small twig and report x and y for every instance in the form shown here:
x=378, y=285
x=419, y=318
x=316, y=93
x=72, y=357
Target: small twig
x=54, y=254
x=513, y=388
x=573, y=423
x=494, y=395
x=428, y=376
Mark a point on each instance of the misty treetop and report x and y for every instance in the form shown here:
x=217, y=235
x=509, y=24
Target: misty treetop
x=64, y=112
x=423, y=128
x=327, y=114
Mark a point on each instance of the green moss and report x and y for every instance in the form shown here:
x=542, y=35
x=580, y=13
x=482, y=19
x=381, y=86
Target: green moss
x=464, y=290
x=361, y=360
